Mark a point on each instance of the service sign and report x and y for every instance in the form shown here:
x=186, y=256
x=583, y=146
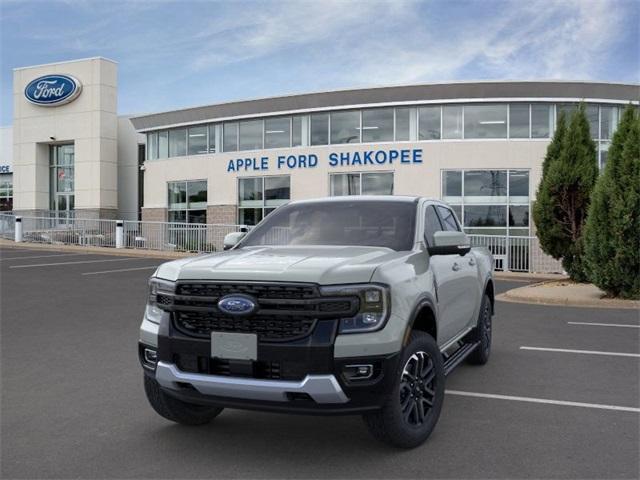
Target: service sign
x=53, y=90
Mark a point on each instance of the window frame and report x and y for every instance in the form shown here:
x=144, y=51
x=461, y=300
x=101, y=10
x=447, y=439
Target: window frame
x=187, y=208
x=263, y=207
x=360, y=175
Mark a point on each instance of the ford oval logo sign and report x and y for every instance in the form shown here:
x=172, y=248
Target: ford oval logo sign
x=236, y=305
x=53, y=90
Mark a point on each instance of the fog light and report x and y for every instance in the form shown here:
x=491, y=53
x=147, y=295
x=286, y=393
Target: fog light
x=150, y=356
x=358, y=372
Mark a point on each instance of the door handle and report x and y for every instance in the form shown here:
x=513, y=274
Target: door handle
x=455, y=267
x=472, y=262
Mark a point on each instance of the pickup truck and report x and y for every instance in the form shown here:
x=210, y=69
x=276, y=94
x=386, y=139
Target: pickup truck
x=344, y=305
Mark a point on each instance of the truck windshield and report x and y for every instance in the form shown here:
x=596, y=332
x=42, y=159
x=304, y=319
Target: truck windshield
x=373, y=223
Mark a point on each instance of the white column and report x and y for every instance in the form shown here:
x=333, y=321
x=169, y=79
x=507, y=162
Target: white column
x=18, y=230
x=119, y=234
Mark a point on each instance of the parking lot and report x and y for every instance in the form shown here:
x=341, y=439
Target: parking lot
x=558, y=399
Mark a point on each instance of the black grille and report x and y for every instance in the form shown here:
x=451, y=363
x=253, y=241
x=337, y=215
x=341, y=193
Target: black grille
x=285, y=311
x=216, y=366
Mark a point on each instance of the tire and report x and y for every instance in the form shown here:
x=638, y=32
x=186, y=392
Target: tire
x=480, y=355
x=400, y=422
x=177, y=410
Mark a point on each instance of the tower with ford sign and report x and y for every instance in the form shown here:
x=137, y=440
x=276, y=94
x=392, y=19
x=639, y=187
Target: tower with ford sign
x=53, y=90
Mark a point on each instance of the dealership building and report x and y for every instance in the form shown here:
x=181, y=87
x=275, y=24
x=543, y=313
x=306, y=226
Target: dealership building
x=477, y=145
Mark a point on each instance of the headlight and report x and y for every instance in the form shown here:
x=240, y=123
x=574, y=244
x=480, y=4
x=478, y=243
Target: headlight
x=374, y=306
x=157, y=289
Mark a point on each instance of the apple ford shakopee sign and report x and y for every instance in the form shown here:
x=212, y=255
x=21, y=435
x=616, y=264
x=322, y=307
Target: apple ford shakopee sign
x=53, y=90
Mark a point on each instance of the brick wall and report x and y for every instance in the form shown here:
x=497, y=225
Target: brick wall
x=154, y=214
x=222, y=214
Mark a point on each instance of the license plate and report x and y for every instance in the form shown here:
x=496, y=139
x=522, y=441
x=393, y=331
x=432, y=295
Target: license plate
x=234, y=346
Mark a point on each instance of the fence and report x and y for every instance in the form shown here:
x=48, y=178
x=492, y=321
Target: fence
x=518, y=254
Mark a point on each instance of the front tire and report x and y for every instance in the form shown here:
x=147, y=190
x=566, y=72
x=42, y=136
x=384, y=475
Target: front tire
x=177, y=410
x=413, y=407
x=480, y=355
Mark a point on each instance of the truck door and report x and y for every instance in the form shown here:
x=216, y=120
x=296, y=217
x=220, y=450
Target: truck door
x=466, y=282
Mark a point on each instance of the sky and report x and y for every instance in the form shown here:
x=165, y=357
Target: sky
x=176, y=54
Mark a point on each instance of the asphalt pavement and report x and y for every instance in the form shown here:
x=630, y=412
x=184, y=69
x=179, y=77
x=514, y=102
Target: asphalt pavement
x=559, y=397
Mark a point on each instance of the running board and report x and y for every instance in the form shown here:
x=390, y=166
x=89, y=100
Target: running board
x=454, y=360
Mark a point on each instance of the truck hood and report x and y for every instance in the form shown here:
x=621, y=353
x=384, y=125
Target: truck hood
x=324, y=265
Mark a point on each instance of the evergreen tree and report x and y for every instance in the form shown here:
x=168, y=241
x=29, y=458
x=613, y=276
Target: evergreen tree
x=612, y=233
x=563, y=197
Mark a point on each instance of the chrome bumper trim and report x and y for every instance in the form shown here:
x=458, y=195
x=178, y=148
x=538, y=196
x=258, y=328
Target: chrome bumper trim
x=321, y=388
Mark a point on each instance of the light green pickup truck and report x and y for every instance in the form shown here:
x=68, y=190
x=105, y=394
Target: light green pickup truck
x=345, y=305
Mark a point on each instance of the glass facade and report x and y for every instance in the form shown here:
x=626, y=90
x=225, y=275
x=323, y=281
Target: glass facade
x=61, y=179
x=489, y=202
x=6, y=192
x=382, y=124
x=361, y=183
x=187, y=201
x=259, y=196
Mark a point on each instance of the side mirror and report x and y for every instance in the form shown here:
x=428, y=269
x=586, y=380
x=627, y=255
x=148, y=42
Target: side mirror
x=232, y=239
x=449, y=243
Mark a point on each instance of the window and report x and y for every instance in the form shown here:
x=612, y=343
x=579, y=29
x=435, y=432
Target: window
x=592, y=116
x=431, y=224
x=519, y=120
x=377, y=125
x=197, y=140
x=371, y=183
x=230, y=137
x=489, y=202
x=608, y=122
x=251, y=135
x=212, y=138
x=187, y=201
x=320, y=129
x=541, y=120
x=152, y=146
x=296, y=131
x=452, y=121
x=485, y=121
x=61, y=179
x=6, y=192
x=403, y=124
x=277, y=132
x=345, y=127
x=451, y=184
x=163, y=144
x=429, y=123
x=448, y=219
x=259, y=196
x=178, y=142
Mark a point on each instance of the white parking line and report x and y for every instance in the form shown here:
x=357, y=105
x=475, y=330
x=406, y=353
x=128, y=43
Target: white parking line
x=76, y=263
x=605, y=324
x=42, y=256
x=121, y=270
x=587, y=352
x=543, y=400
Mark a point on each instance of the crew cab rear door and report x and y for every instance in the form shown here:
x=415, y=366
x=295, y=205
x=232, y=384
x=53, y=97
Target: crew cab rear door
x=455, y=276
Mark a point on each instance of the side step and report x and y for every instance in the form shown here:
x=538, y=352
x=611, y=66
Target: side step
x=458, y=356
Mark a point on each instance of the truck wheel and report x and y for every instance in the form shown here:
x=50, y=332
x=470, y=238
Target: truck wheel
x=480, y=355
x=177, y=410
x=413, y=407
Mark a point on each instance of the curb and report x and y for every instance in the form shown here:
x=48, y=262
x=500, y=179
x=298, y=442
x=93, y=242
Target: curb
x=513, y=296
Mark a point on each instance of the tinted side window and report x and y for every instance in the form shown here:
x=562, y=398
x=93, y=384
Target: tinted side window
x=431, y=224
x=449, y=221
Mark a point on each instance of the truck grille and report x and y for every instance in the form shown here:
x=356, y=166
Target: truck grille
x=285, y=311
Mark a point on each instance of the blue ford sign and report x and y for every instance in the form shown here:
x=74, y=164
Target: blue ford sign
x=236, y=305
x=53, y=90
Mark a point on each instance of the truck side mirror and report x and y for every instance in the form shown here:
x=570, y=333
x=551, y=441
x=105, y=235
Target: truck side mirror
x=449, y=243
x=232, y=239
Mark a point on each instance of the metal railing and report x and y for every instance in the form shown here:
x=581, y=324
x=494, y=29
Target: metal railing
x=517, y=254
x=7, y=226
x=69, y=231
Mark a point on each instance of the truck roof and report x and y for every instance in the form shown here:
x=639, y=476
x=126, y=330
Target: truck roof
x=367, y=198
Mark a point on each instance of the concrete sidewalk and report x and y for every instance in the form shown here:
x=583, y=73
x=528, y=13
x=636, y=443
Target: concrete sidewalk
x=565, y=292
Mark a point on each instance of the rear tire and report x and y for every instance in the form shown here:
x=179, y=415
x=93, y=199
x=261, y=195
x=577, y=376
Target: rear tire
x=177, y=410
x=413, y=407
x=480, y=355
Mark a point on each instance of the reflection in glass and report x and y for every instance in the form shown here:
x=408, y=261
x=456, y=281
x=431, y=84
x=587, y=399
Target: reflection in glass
x=485, y=216
x=249, y=216
x=296, y=131
x=519, y=216
x=485, y=121
x=212, y=138
x=197, y=138
x=377, y=183
x=230, y=137
x=377, y=125
x=541, y=120
x=197, y=194
x=177, y=195
x=429, y=123
x=519, y=120
x=452, y=184
x=403, y=124
x=320, y=129
x=152, y=146
x=277, y=132
x=277, y=190
x=452, y=121
x=250, y=190
x=178, y=142
x=163, y=144
x=345, y=127
x=251, y=135
x=345, y=184
x=608, y=122
x=485, y=184
x=519, y=185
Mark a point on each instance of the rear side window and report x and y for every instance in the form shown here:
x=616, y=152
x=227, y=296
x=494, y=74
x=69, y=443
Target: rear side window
x=431, y=224
x=449, y=222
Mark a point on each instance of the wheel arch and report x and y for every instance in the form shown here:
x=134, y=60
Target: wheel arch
x=423, y=318
x=489, y=289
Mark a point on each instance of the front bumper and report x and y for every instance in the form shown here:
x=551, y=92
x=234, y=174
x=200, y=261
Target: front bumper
x=298, y=376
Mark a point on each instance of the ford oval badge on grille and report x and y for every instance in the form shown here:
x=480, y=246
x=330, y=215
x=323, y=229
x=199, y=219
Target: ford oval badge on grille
x=237, y=305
